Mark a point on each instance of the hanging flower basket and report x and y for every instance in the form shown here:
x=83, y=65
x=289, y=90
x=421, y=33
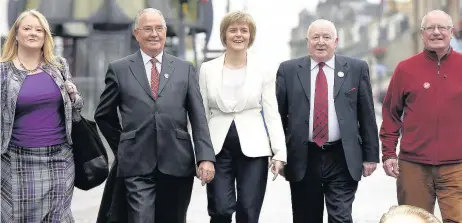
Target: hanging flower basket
x=379, y=53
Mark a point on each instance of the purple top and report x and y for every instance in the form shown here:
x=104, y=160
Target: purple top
x=39, y=118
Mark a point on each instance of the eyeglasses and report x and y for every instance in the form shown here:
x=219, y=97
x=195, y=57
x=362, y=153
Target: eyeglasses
x=431, y=29
x=150, y=29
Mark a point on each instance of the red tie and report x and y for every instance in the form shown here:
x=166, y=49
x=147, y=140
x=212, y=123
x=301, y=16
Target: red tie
x=154, y=78
x=321, y=109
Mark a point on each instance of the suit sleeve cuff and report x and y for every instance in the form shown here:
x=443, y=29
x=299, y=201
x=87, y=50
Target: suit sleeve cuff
x=202, y=160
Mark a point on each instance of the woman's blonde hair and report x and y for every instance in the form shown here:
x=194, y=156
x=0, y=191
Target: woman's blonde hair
x=407, y=210
x=10, y=48
x=237, y=16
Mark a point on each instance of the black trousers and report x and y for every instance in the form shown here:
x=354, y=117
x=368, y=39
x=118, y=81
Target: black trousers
x=250, y=176
x=158, y=198
x=326, y=176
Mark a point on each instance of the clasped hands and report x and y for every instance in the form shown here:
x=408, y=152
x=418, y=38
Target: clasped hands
x=276, y=167
x=206, y=172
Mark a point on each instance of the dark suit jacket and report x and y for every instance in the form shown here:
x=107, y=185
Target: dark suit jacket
x=154, y=131
x=354, y=106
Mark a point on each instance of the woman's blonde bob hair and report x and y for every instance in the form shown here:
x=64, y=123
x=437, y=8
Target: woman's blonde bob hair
x=407, y=210
x=10, y=48
x=237, y=16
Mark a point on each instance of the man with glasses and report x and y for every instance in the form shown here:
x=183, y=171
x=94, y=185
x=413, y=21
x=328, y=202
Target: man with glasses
x=154, y=93
x=423, y=105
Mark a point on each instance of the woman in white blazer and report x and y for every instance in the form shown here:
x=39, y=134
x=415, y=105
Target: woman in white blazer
x=235, y=88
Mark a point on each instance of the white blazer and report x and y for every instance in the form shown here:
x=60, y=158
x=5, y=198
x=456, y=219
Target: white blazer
x=257, y=93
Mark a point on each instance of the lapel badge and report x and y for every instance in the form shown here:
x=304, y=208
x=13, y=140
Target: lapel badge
x=426, y=85
x=166, y=76
x=340, y=74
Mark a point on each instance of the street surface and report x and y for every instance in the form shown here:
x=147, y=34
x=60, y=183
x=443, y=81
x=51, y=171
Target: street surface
x=375, y=195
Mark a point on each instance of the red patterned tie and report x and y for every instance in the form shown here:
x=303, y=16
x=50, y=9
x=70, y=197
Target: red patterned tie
x=321, y=109
x=154, y=78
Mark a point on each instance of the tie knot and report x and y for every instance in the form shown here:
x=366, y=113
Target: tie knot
x=321, y=65
x=153, y=60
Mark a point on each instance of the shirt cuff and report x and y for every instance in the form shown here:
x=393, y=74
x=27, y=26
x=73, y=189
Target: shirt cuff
x=385, y=158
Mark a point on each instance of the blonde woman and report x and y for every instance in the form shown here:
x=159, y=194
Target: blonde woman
x=235, y=88
x=38, y=107
x=408, y=214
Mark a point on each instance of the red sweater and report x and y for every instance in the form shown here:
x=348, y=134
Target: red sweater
x=427, y=94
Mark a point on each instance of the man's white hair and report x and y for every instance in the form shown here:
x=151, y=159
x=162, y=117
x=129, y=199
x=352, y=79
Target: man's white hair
x=323, y=22
x=424, y=19
x=137, y=18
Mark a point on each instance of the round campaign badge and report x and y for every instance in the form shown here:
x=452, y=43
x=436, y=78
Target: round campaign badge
x=426, y=85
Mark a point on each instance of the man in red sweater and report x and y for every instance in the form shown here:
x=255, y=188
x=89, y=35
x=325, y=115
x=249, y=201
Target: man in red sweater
x=423, y=104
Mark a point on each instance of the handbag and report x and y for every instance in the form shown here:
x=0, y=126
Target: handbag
x=90, y=156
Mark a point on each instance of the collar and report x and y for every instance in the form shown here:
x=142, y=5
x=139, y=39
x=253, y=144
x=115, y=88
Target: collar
x=432, y=54
x=147, y=58
x=330, y=63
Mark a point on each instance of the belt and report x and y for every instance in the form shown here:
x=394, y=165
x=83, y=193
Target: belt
x=327, y=145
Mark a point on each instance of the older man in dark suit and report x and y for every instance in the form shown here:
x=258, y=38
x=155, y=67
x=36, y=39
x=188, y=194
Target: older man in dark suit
x=326, y=106
x=155, y=93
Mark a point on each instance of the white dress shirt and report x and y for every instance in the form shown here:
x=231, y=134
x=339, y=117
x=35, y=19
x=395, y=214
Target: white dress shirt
x=148, y=64
x=329, y=71
x=232, y=81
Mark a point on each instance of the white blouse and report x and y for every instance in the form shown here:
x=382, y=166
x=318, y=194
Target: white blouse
x=232, y=81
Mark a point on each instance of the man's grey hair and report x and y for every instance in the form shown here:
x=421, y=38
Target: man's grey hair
x=424, y=19
x=323, y=22
x=137, y=18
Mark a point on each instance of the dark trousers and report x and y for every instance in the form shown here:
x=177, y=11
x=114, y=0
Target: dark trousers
x=250, y=175
x=158, y=198
x=326, y=177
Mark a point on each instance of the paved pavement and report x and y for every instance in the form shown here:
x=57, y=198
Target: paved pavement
x=376, y=194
